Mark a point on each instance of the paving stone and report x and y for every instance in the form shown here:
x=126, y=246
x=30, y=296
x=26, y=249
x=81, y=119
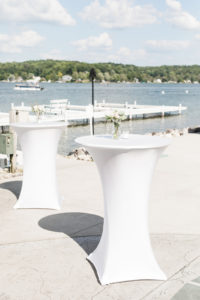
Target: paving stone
x=54, y=269
x=188, y=292
x=170, y=288
x=197, y=280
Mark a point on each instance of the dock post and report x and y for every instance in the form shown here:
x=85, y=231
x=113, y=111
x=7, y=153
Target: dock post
x=91, y=128
x=180, y=109
x=130, y=114
x=13, y=157
x=163, y=111
x=135, y=104
x=90, y=117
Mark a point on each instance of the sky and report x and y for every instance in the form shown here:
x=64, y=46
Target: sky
x=139, y=32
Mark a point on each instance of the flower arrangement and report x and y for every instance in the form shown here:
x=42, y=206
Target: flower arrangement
x=116, y=118
x=38, y=110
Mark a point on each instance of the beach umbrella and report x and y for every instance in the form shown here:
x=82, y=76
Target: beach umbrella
x=92, y=78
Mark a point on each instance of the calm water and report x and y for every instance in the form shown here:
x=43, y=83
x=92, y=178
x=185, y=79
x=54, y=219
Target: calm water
x=142, y=93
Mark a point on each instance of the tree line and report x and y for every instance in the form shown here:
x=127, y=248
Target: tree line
x=53, y=70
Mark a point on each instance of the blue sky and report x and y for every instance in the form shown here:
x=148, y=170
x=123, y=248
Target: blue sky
x=139, y=32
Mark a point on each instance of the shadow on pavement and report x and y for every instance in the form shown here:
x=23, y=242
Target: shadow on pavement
x=85, y=229
x=13, y=186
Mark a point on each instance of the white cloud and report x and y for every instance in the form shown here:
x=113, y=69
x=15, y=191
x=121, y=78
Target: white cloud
x=15, y=43
x=137, y=57
x=176, y=5
x=53, y=54
x=28, y=38
x=119, y=14
x=125, y=55
x=3, y=37
x=180, y=18
x=37, y=10
x=139, y=54
x=124, y=51
x=167, y=45
x=197, y=36
x=102, y=41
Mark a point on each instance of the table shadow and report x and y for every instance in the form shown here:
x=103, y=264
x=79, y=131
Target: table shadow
x=85, y=229
x=12, y=186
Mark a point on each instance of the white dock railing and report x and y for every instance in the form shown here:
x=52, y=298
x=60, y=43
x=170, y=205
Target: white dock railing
x=62, y=110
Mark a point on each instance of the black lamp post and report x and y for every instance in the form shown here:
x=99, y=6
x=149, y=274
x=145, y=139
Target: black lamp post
x=92, y=77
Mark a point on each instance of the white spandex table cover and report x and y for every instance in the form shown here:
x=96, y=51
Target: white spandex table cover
x=39, y=142
x=125, y=167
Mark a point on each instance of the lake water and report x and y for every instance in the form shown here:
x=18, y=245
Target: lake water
x=119, y=93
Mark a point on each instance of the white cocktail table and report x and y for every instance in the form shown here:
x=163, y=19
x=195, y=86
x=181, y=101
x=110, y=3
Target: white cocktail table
x=39, y=142
x=126, y=167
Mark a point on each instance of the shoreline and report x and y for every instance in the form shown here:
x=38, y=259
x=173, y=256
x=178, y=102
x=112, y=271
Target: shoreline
x=106, y=82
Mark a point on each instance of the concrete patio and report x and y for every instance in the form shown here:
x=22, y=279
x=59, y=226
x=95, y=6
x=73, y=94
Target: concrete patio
x=43, y=252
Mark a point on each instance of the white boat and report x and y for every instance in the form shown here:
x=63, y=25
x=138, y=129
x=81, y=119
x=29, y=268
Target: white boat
x=28, y=87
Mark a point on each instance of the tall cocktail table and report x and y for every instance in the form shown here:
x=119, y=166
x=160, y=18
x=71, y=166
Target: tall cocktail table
x=126, y=167
x=39, y=142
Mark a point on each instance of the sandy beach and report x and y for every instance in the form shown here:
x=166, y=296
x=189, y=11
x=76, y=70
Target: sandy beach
x=43, y=252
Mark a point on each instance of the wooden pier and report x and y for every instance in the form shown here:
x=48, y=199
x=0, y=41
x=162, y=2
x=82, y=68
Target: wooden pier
x=62, y=110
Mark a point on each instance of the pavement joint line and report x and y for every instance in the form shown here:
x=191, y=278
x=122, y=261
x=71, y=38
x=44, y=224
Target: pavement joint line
x=76, y=237
x=33, y=241
x=50, y=239
x=194, y=283
x=88, y=227
x=154, y=289
x=174, y=233
x=168, y=279
x=86, y=236
x=98, y=293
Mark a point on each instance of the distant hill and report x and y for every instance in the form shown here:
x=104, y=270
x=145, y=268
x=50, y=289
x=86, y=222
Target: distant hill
x=54, y=70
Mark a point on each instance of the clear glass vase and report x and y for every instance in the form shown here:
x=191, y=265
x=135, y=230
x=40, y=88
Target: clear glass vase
x=38, y=117
x=116, y=131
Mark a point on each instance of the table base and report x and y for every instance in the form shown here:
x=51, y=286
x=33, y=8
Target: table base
x=125, y=268
x=52, y=203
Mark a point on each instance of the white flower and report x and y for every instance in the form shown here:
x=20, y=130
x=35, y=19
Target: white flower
x=116, y=117
x=38, y=109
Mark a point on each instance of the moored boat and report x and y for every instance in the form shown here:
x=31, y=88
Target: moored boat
x=28, y=87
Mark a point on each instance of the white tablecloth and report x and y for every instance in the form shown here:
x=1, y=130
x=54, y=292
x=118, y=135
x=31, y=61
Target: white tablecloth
x=39, y=142
x=126, y=167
